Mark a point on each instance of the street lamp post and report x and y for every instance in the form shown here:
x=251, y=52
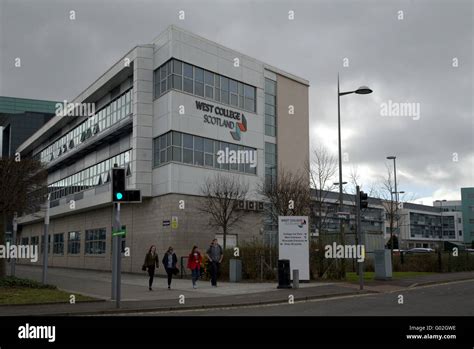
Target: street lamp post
x=363, y=90
x=394, y=158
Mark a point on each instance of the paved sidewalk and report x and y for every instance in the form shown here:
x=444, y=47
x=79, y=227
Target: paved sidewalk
x=137, y=298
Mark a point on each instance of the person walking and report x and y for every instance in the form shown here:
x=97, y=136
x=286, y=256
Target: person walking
x=151, y=261
x=215, y=256
x=169, y=262
x=194, y=263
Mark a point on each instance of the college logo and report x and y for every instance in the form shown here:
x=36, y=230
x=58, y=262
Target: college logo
x=224, y=117
x=239, y=127
x=302, y=223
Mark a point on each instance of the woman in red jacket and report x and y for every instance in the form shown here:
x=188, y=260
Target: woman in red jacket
x=194, y=263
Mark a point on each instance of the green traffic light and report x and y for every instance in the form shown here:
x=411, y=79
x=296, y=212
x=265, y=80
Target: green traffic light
x=119, y=196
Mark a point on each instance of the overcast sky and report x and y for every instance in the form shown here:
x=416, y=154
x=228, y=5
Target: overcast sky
x=407, y=60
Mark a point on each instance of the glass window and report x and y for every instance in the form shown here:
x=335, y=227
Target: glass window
x=187, y=156
x=199, y=88
x=177, y=82
x=188, y=70
x=270, y=87
x=163, y=72
x=225, y=97
x=177, y=67
x=209, y=92
x=163, y=142
x=208, y=159
x=198, y=74
x=58, y=244
x=188, y=85
x=177, y=154
x=198, y=143
x=188, y=141
x=177, y=138
x=74, y=242
x=209, y=78
x=224, y=83
x=95, y=241
x=249, y=91
x=198, y=158
x=233, y=86
x=208, y=145
x=233, y=100
x=217, y=80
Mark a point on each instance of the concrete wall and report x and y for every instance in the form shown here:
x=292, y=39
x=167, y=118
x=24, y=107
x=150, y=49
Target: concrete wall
x=144, y=223
x=292, y=130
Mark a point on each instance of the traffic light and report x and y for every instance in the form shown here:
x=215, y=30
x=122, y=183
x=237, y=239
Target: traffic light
x=364, y=203
x=118, y=184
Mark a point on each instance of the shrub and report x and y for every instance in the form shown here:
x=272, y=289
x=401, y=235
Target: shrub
x=12, y=282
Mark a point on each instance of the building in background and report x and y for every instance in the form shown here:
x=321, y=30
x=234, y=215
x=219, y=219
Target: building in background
x=430, y=226
x=20, y=118
x=467, y=206
x=162, y=112
x=328, y=219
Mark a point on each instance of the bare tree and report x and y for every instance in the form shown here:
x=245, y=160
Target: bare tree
x=288, y=195
x=22, y=189
x=322, y=170
x=222, y=194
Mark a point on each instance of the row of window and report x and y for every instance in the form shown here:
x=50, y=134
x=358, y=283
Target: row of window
x=94, y=243
x=270, y=163
x=199, y=151
x=100, y=121
x=270, y=108
x=181, y=76
x=90, y=177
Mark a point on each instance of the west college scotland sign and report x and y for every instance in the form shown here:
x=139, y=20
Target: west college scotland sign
x=224, y=117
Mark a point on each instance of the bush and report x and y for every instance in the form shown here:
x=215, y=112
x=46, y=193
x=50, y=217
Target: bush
x=434, y=262
x=12, y=282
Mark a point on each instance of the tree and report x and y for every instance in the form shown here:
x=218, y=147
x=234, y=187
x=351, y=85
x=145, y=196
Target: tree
x=22, y=189
x=222, y=194
x=322, y=170
x=288, y=195
x=394, y=238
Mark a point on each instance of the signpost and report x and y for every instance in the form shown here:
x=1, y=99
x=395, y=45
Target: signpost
x=119, y=195
x=293, y=243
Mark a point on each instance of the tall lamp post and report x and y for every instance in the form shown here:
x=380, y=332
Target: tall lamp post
x=363, y=90
x=394, y=158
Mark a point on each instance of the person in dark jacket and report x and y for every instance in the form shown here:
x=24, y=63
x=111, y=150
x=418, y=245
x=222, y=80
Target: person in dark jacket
x=169, y=262
x=151, y=261
x=215, y=256
x=194, y=263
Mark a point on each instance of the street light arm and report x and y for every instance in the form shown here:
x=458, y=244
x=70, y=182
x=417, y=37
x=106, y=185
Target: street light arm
x=345, y=93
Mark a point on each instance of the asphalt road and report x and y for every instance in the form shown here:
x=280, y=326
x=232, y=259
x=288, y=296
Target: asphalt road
x=453, y=299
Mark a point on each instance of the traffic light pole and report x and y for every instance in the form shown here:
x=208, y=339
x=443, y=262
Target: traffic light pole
x=116, y=257
x=360, y=237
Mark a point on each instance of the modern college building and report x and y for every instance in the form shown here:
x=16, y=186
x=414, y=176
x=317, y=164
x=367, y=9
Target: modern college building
x=162, y=112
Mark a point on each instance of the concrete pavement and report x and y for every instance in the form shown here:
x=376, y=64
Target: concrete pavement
x=137, y=298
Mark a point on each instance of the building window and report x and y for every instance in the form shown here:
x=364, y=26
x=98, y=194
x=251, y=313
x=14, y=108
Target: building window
x=109, y=115
x=270, y=108
x=182, y=76
x=90, y=177
x=58, y=243
x=35, y=240
x=74, y=242
x=25, y=241
x=199, y=151
x=270, y=163
x=95, y=241
x=49, y=243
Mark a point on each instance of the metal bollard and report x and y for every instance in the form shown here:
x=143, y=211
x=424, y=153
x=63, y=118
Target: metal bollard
x=296, y=278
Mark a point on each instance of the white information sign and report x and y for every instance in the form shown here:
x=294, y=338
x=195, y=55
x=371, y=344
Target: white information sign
x=293, y=243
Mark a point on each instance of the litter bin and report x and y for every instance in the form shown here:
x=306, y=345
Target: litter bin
x=235, y=272
x=284, y=273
